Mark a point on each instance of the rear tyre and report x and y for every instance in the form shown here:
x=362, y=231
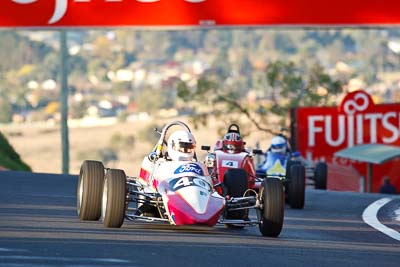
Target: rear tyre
x=289, y=165
x=273, y=200
x=288, y=175
x=296, y=186
x=89, y=191
x=320, y=175
x=114, y=198
x=236, y=184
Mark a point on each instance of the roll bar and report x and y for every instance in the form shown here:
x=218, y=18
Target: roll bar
x=159, y=146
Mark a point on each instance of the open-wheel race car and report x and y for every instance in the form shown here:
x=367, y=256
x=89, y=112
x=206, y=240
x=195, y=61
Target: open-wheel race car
x=231, y=166
x=173, y=187
x=282, y=163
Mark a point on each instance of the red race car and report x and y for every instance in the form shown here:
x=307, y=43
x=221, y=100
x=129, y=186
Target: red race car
x=232, y=169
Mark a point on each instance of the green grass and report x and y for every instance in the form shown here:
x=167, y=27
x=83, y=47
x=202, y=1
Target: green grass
x=10, y=159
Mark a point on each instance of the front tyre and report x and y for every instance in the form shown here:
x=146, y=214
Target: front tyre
x=89, y=191
x=114, y=198
x=273, y=200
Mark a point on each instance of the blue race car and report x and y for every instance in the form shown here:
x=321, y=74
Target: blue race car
x=280, y=162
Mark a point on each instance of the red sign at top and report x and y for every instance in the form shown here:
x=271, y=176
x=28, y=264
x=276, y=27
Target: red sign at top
x=190, y=13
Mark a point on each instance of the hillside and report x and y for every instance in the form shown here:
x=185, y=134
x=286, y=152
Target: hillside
x=94, y=142
x=114, y=72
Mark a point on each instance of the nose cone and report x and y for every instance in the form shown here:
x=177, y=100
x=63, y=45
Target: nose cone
x=193, y=205
x=196, y=198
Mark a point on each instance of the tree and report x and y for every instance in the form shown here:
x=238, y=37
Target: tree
x=289, y=88
x=151, y=100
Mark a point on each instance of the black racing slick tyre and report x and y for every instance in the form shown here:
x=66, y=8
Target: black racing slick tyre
x=320, y=175
x=288, y=175
x=114, y=198
x=272, y=198
x=297, y=186
x=236, y=184
x=289, y=165
x=89, y=191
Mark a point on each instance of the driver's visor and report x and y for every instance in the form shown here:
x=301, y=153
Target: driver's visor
x=184, y=147
x=230, y=147
x=278, y=146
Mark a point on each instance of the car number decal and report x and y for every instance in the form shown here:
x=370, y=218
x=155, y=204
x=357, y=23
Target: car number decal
x=179, y=183
x=230, y=163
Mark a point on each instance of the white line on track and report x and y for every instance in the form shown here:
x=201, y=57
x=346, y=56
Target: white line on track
x=64, y=259
x=397, y=214
x=12, y=250
x=370, y=217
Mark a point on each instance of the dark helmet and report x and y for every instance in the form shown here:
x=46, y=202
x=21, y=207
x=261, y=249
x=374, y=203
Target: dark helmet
x=232, y=143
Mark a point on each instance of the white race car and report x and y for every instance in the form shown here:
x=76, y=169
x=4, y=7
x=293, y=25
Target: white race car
x=178, y=192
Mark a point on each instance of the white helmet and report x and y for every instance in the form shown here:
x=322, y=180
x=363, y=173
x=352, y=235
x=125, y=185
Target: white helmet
x=278, y=144
x=181, y=145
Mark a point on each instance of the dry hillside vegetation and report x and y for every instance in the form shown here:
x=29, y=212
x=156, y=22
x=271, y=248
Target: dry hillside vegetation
x=40, y=145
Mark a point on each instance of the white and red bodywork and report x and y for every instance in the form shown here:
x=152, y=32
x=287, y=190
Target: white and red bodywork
x=178, y=192
x=186, y=190
x=242, y=160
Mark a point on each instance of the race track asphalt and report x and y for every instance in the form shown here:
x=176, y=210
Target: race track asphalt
x=39, y=227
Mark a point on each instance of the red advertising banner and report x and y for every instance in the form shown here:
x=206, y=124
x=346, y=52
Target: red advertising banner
x=191, y=13
x=323, y=131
